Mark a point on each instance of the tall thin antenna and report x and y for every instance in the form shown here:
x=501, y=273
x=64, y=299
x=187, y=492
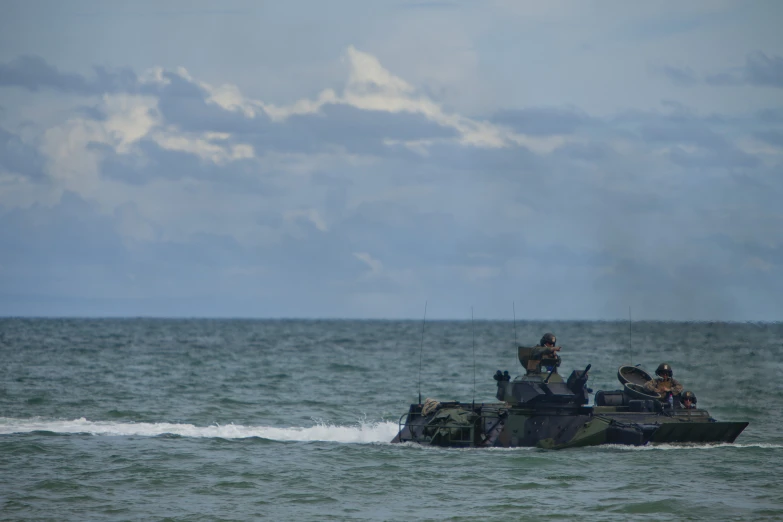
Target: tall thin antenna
x=473, y=330
x=421, y=347
x=630, y=337
x=514, y=310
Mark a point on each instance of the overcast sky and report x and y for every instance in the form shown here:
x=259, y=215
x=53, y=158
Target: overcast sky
x=358, y=159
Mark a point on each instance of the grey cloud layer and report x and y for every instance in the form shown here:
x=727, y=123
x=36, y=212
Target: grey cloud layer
x=664, y=210
x=759, y=70
x=19, y=157
x=34, y=73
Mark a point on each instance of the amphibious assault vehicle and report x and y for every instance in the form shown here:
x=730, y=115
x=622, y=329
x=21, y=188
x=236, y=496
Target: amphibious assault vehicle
x=543, y=410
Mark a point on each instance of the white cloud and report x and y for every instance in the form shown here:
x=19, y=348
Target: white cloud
x=368, y=76
x=311, y=215
x=203, y=146
x=154, y=76
x=230, y=98
x=420, y=147
x=70, y=162
x=300, y=107
x=75, y=165
x=371, y=87
x=375, y=266
x=130, y=118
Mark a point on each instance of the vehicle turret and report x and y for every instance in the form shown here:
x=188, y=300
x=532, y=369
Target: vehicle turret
x=539, y=389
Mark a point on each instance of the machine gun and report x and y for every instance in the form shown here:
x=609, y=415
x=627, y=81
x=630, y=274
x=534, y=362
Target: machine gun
x=577, y=383
x=577, y=380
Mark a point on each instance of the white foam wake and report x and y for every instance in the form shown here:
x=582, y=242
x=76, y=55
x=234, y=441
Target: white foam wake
x=670, y=447
x=365, y=432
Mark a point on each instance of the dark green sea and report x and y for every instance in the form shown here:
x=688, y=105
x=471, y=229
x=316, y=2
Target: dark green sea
x=146, y=419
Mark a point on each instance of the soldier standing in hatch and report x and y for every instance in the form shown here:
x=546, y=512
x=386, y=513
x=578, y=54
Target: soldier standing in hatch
x=665, y=383
x=546, y=349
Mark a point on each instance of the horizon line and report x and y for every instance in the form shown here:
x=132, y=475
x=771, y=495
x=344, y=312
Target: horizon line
x=327, y=318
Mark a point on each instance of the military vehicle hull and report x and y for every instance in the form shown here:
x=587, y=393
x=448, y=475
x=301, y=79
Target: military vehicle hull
x=543, y=410
x=457, y=424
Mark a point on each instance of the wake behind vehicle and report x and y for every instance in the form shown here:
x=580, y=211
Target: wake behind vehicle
x=541, y=409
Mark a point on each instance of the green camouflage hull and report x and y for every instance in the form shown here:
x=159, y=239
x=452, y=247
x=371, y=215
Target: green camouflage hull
x=498, y=425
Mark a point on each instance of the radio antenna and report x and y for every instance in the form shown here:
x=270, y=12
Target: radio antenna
x=514, y=310
x=421, y=347
x=473, y=331
x=630, y=337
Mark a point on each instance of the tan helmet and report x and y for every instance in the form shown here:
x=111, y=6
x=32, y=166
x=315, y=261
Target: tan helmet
x=689, y=396
x=547, y=339
x=664, y=369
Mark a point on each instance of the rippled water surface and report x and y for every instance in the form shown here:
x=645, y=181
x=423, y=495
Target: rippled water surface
x=143, y=419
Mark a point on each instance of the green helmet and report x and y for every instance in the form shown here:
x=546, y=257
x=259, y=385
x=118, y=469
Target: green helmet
x=664, y=369
x=548, y=338
x=689, y=396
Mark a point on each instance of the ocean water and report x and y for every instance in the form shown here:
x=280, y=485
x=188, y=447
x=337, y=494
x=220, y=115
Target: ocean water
x=144, y=419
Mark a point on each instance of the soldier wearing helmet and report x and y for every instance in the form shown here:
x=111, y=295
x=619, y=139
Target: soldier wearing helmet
x=665, y=383
x=688, y=400
x=546, y=351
